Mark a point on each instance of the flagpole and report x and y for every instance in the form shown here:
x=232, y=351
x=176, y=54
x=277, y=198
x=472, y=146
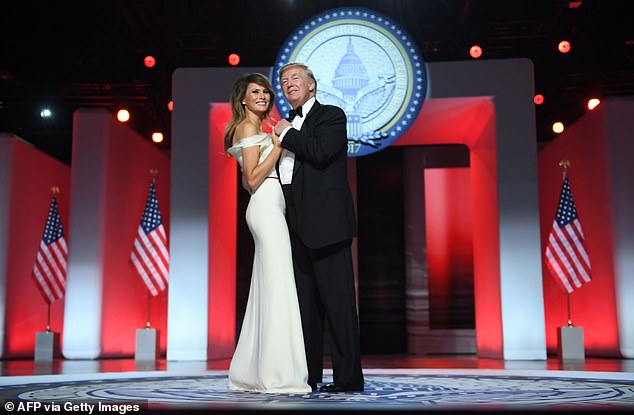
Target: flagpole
x=48, y=317
x=149, y=298
x=565, y=164
x=153, y=173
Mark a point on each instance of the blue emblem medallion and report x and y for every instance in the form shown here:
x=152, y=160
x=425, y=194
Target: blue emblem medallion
x=365, y=64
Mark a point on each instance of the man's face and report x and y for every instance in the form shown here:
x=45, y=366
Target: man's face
x=296, y=85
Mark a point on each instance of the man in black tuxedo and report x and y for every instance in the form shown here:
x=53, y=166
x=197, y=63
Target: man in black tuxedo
x=321, y=219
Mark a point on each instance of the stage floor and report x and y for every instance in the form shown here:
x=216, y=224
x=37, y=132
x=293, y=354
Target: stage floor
x=60, y=366
x=393, y=383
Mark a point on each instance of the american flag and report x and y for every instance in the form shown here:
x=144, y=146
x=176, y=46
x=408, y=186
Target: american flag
x=566, y=254
x=150, y=258
x=49, y=270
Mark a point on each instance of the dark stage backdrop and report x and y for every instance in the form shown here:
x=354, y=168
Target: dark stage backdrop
x=382, y=315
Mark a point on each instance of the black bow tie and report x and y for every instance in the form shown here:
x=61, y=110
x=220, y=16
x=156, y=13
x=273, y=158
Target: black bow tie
x=293, y=113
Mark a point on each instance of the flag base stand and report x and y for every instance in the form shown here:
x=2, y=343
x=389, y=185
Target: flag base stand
x=570, y=343
x=147, y=347
x=46, y=346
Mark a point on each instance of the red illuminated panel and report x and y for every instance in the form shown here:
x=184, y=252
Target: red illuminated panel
x=222, y=237
x=471, y=121
x=449, y=248
x=33, y=173
x=592, y=305
x=125, y=297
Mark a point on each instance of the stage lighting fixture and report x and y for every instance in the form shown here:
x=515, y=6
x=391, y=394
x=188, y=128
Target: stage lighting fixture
x=574, y=4
x=149, y=61
x=558, y=127
x=538, y=99
x=564, y=46
x=123, y=115
x=234, y=59
x=592, y=103
x=170, y=105
x=46, y=113
x=475, y=51
x=157, y=137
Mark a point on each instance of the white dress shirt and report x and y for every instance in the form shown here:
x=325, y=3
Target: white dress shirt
x=287, y=159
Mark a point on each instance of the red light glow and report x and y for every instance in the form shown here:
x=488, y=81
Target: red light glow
x=170, y=105
x=149, y=61
x=538, y=99
x=234, y=59
x=564, y=46
x=475, y=51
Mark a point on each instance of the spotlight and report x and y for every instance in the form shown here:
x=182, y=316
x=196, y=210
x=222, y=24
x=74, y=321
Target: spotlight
x=149, y=61
x=558, y=127
x=170, y=105
x=157, y=137
x=538, y=99
x=564, y=46
x=123, y=115
x=46, y=113
x=234, y=59
x=475, y=51
x=575, y=4
x=592, y=103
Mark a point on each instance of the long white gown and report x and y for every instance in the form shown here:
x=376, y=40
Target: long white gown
x=270, y=355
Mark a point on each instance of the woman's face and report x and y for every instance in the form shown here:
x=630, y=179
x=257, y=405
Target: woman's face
x=257, y=98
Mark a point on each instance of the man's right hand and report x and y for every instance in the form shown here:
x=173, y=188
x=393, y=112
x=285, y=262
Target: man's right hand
x=281, y=126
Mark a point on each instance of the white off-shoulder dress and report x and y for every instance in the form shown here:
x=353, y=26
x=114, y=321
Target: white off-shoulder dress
x=270, y=355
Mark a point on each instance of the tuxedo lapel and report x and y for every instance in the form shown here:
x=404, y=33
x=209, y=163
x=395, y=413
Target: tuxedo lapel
x=305, y=126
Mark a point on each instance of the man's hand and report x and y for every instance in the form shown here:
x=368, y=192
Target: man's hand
x=281, y=126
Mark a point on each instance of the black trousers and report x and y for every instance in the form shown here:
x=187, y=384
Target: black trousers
x=324, y=279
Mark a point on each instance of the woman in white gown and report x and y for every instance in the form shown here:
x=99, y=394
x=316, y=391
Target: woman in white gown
x=270, y=355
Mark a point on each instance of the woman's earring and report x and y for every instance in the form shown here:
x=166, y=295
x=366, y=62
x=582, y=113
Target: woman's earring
x=244, y=103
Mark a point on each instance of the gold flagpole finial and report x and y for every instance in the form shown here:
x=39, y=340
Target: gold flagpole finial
x=153, y=172
x=564, y=163
x=55, y=190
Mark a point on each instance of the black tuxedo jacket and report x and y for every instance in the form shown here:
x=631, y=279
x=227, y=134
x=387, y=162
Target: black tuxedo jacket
x=323, y=203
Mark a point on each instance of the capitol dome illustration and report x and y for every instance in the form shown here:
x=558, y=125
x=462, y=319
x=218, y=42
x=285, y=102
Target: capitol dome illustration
x=350, y=75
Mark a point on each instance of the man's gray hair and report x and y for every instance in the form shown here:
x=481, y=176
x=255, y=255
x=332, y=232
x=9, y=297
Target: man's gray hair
x=306, y=69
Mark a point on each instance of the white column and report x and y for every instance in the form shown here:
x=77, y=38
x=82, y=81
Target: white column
x=84, y=282
x=619, y=124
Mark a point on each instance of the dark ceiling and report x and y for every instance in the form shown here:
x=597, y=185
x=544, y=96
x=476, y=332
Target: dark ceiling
x=71, y=54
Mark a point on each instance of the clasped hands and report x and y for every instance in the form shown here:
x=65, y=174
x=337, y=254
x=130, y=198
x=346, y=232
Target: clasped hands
x=279, y=129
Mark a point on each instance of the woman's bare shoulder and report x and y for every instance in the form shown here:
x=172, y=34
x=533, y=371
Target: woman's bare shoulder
x=243, y=130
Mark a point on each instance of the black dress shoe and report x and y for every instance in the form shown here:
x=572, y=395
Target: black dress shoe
x=332, y=388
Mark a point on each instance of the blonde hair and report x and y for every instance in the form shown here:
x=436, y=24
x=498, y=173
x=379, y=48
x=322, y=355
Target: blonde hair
x=306, y=69
x=238, y=92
